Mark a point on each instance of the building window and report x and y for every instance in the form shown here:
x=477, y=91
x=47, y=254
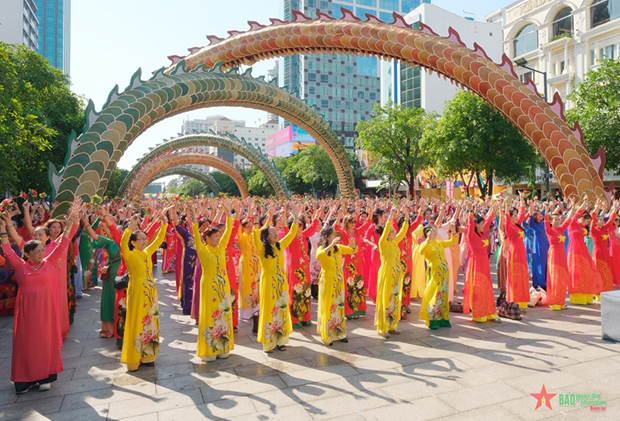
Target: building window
x=371, y=3
x=524, y=76
x=386, y=17
x=361, y=106
x=372, y=83
x=312, y=90
x=337, y=92
x=336, y=68
x=336, y=79
x=324, y=6
x=337, y=104
x=350, y=80
x=311, y=101
x=389, y=4
x=361, y=12
x=593, y=57
x=311, y=3
x=348, y=105
x=526, y=40
x=563, y=24
x=608, y=52
x=361, y=95
x=336, y=116
x=603, y=11
x=324, y=103
x=324, y=78
x=348, y=69
x=372, y=96
x=348, y=93
x=367, y=66
x=336, y=12
x=409, y=5
x=312, y=77
x=325, y=66
x=324, y=90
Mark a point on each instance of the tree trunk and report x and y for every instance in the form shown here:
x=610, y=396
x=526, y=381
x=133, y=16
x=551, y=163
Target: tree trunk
x=411, y=182
x=490, y=182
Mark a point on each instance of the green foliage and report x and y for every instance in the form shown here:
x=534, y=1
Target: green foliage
x=473, y=138
x=258, y=185
x=313, y=166
x=37, y=113
x=597, y=108
x=193, y=188
x=394, y=136
x=173, y=186
x=227, y=184
x=115, y=182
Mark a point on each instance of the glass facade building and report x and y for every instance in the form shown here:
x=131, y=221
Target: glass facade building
x=343, y=88
x=54, y=18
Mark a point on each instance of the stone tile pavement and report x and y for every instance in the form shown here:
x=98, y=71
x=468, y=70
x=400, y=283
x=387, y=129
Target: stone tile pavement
x=469, y=372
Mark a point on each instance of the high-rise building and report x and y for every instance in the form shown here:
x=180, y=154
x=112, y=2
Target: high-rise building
x=55, y=32
x=411, y=86
x=273, y=74
x=344, y=88
x=18, y=23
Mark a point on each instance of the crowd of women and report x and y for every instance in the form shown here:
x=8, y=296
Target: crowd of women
x=264, y=260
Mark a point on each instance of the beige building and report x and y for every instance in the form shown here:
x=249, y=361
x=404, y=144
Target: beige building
x=564, y=38
x=18, y=23
x=255, y=136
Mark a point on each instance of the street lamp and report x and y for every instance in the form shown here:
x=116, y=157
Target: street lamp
x=522, y=62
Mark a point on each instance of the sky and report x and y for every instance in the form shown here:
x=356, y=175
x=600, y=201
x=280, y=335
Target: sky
x=111, y=39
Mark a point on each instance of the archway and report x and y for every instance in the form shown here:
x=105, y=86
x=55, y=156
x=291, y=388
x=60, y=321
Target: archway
x=93, y=156
x=174, y=159
x=207, y=179
x=541, y=122
x=226, y=141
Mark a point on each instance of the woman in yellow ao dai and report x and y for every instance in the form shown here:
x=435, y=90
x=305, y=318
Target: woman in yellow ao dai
x=215, y=324
x=141, y=344
x=435, y=308
x=331, y=323
x=389, y=291
x=274, y=322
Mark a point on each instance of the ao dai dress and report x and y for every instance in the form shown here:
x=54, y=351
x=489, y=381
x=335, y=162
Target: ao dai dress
x=583, y=273
x=352, y=271
x=518, y=281
x=389, y=291
x=600, y=254
x=249, y=276
x=331, y=323
x=141, y=336
x=478, y=292
x=557, y=267
x=215, y=321
x=299, y=281
x=36, y=328
x=435, y=308
x=274, y=322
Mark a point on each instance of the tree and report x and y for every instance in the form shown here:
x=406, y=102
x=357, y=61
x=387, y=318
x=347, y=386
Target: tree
x=118, y=175
x=394, y=135
x=314, y=166
x=597, y=108
x=258, y=185
x=37, y=113
x=173, y=186
x=193, y=188
x=227, y=184
x=473, y=138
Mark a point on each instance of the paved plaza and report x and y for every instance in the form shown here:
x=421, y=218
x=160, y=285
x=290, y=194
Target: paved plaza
x=469, y=372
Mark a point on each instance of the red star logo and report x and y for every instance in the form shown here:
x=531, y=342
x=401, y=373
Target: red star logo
x=543, y=398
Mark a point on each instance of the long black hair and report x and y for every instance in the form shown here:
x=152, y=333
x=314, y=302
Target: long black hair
x=477, y=219
x=264, y=233
x=325, y=233
x=376, y=214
